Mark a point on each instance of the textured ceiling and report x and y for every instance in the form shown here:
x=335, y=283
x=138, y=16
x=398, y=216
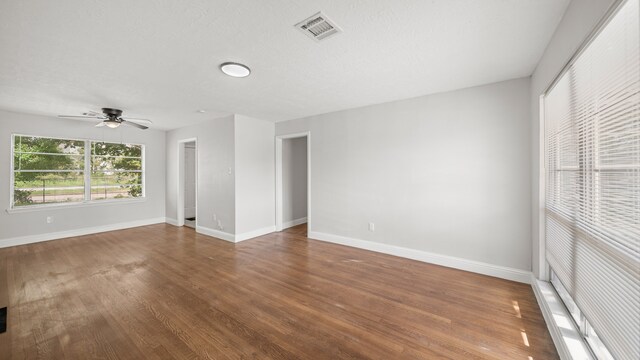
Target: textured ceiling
x=159, y=59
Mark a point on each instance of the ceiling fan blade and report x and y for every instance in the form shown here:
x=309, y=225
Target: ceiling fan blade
x=137, y=119
x=101, y=124
x=135, y=125
x=80, y=117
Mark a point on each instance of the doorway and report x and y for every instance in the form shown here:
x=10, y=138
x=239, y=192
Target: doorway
x=293, y=179
x=187, y=183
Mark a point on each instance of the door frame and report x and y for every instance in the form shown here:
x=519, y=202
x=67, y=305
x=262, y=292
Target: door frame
x=279, y=182
x=180, y=193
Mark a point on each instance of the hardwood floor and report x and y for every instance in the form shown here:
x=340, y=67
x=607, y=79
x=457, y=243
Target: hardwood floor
x=162, y=292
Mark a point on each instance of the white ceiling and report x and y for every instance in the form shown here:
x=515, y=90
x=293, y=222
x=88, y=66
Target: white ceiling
x=159, y=59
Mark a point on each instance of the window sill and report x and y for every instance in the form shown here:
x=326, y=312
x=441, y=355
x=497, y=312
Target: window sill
x=569, y=343
x=73, y=205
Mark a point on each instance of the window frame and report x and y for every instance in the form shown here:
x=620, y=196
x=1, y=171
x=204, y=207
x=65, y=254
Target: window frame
x=597, y=348
x=592, y=344
x=86, y=173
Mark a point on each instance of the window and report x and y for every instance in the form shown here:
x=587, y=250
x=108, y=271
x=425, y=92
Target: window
x=116, y=171
x=592, y=200
x=54, y=171
x=582, y=324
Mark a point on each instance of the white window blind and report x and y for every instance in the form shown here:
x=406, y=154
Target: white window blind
x=592, y=150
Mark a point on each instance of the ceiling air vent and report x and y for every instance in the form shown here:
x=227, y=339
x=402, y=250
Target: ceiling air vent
x=318, y=27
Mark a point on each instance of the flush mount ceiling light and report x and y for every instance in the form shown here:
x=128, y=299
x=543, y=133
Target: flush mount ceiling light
x=235, y=69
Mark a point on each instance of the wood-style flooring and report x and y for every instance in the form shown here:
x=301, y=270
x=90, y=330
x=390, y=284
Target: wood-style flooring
x=163, y=292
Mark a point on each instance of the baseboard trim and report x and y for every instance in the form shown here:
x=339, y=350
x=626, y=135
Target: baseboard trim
x=255, y=233
x=293, y=223
x=428, y=257
x=552, y=311
x=215, y=233
x=234, y=238
x=30, y=239
x=171, y=221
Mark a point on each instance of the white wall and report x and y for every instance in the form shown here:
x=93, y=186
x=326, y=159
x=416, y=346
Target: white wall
x=216, y=172
x=577, y=23
x=71, y=218
x=189, y=180
x=294, y=179
x=255, y=175
x=447, y=173
x=235, y=176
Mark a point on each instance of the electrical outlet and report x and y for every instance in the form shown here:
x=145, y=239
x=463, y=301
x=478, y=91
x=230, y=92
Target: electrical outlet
x=215, y=217
x=220, y=225
x=372, y=226
x=49, y=219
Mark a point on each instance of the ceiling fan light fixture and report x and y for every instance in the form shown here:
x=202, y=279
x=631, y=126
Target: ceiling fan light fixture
x=235, y=69
x=112, y=123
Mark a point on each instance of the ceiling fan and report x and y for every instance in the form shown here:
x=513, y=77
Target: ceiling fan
x=111, y=118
